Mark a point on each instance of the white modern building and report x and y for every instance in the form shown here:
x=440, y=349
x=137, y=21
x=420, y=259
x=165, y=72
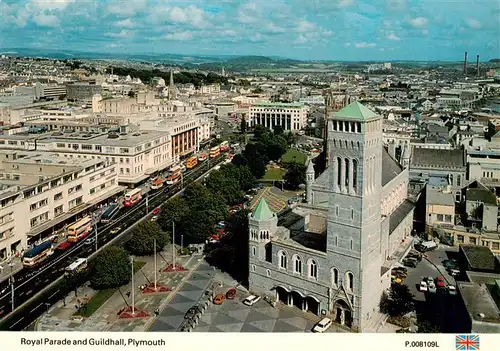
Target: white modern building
x=39, y=190
x=290, y=116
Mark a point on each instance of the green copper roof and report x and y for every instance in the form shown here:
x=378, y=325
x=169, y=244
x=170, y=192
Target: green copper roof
x=262, y=212
x=355, y=111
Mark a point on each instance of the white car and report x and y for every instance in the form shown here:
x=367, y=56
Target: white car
x=90, y=241
x=322, y=325
x=251, y=300
x=452, y=290
x=423, y=286
x=154, y=218
x=431, y=287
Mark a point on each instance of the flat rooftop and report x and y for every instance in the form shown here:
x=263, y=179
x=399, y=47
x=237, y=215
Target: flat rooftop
x=122, y=140
x=49, y=158
x=480, y=257
x=479, y=302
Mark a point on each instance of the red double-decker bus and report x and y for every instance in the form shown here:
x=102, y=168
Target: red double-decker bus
x=132, y=197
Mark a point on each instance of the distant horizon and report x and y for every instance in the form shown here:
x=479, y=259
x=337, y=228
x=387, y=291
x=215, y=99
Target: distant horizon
x=41, y=52
x=312, y=30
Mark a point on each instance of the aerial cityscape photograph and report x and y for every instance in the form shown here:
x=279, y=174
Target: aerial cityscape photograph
x=234, y=166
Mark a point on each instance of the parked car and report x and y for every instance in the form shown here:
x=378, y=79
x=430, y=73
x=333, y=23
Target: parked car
x=90, y=241
x=251, y=300
x=431, y=287
x=156, y=211
x=154, y=218
x=440, y=282
x=322, y=325
x=452, y=290
x=115, y=230
x=410, y=262
x=400, y=269
x=454, y=272
x=218, y=299
x=423, y=286
x=191, y=313
x=428, y=280
x=450, y=264
x=416, y=256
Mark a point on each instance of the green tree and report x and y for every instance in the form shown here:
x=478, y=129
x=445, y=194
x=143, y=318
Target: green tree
x=427, y=327
x=276, y=147
x=111, y=268
x=243, y=125
x=256, y=158
x=174, y=210
x=206, y=209
x=295, y=174
x=225, y=182
x=278, y=130
x=73, y=280
x=143, y=237
x=400, y=300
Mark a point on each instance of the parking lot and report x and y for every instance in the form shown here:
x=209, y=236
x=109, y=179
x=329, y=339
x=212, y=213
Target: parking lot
x=441, y=308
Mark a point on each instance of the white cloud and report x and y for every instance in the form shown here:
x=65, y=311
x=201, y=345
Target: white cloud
x=419, y=22
x=189, y=15
x=392, y=36
x=126, y=23
x=345, y=3
x=179, y=36
x=271, y=27
x=248, y=13
x=51, y=4
x=473, y=23
x=124, y=33
x=305, y=26
x=129, y=8
x=45, y=20
x=365, y=45
x=396, y=4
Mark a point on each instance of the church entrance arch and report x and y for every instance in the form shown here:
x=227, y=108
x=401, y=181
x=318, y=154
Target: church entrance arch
x=312, y=305
x=342, y=313
x=282, y=294
x=297, y=300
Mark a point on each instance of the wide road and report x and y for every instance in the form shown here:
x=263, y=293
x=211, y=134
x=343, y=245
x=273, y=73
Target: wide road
x=28, y=282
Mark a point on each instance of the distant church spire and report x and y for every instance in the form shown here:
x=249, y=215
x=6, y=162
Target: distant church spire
x=171, y=87
x=223, y=73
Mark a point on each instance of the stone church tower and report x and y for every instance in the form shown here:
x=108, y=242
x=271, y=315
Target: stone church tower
x=354, y=236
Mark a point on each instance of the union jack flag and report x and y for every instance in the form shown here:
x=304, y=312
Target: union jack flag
x=467, y=342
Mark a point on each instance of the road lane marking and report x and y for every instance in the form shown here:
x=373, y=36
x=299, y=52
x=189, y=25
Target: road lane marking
x=13, y=325
x=21, y=293
x=53, y=294
x=34, y=309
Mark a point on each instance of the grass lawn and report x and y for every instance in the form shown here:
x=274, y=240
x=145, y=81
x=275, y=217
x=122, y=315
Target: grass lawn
x=274, y=174
x=102, y=296
x=293, y=155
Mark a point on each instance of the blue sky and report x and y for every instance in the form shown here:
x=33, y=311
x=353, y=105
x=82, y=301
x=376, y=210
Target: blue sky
x=301, y=29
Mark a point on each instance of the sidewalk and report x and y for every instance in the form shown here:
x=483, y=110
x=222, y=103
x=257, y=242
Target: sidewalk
x=10, y=267
x=61, y=317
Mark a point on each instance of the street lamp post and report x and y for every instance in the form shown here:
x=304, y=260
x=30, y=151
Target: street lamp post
x=133, y=287
x=182, y=241
x=96, y=237
x=147, y=203
x=154, y=255
x=173, y=244
x=13, y=304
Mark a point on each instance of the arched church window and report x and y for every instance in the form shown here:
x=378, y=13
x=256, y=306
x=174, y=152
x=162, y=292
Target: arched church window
x=355, y=175
x=347, y=172
x=282, y=259
x=339, y=171
x=313, y=269
x=349, y=281
x=335, y=276
x=297, y=265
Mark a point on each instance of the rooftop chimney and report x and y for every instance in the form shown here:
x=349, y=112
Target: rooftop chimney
x=477, y=65
x=465, y=63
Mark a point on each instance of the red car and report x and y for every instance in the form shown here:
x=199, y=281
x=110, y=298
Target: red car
x=440, y=282
x=156, y=211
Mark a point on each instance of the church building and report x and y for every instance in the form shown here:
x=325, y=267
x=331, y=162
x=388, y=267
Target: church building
x=332, y=255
